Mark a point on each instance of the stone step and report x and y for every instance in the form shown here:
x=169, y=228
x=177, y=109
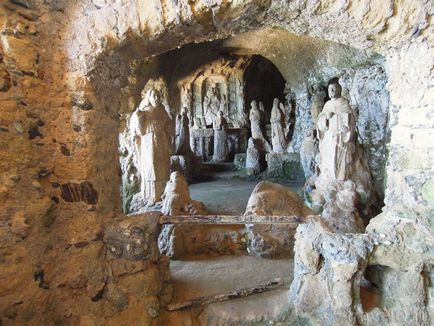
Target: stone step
x=218, y=167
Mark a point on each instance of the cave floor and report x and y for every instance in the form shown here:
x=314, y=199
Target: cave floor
x=193, y=277
x=229, y=191
x=199, y=276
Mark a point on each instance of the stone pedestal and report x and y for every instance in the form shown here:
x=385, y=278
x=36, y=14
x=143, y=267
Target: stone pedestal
x=240, y=161
x=202, y=142
x=285, y=166
x=189, y=165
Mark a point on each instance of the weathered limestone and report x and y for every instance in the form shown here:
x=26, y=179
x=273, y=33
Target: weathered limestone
x=84, y=47
x=341, y=157
x=273, y=199
x=220, y=127
x=327, y=274
x=254, y=158
x=255, y=121
x=213, y=104
x=278, y=138
x=308, y=154
x=151, y=129
x=176, y=201
x=176, y=196
x=182, y=134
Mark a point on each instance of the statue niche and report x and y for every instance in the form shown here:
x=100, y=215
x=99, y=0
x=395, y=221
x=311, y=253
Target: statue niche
x=152, y=132
x=213, y=103
x=336, y=126
x=340, y=156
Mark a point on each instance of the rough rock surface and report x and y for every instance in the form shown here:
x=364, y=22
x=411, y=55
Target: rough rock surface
x=68, y=68
x=271, y=199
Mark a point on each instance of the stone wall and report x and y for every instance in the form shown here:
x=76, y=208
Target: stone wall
x=67, y=70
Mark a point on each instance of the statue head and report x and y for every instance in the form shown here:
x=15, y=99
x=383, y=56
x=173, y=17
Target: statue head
x=174, y=176
x=154, y=97
x=335, y=91
x=221, y=113
x=253, y=104
x=251, y=143
x=276, y=102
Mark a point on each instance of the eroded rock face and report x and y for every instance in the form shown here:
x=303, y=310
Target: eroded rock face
x=270, y=199
x=326, y=273
x=103, y=65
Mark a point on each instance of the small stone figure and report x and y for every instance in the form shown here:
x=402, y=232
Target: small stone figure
x=277, y=134
x=152, y=132
x=308, y=152
x=182, y=134
x=176, y=197
x=220, y=127
x=336, y=129
x=253, y=159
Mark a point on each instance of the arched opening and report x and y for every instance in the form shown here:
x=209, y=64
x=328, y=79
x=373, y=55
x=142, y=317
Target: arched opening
x=206, y=78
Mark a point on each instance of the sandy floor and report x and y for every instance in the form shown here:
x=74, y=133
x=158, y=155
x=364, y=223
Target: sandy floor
x=205, y=276
x=200, y=277
x=195, y=277
x=228, y=196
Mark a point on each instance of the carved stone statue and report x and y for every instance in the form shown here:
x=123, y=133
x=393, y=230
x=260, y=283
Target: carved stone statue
x=176, y=197
x=255, y=121
x=182, y=134
x=220, y=127
x=277, y=134
x=253, y=158
x=152, y=132
x=243, y=119
x=336, y=127
x=214, y=103
x=308, y=152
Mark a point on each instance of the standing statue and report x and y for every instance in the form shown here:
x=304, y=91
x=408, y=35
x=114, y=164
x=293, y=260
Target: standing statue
x=255, y=121
x=220, y=127
x=182, y=134
x=336, y=127
x=214, y=103
x=277, y=134
x=152, y=132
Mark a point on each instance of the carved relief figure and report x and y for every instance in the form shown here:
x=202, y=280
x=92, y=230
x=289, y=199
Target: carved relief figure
x=176, y=197
x=182, y=134
x=214, y=103
x=336, y=130
x=277, y=134
x=152, y=132
x=220, y=127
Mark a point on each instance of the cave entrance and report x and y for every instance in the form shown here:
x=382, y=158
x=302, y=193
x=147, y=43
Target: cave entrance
x=202, y=80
